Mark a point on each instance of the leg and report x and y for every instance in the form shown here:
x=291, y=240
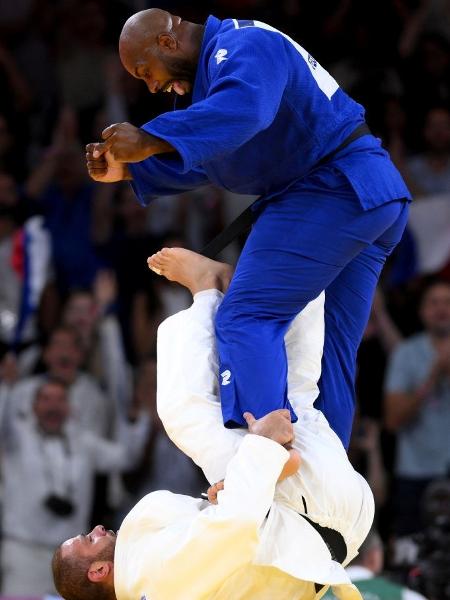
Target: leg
x=347, y=306
x=297, y=248
x=187, y=388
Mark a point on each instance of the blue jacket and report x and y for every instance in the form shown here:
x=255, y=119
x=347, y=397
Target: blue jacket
x=263, y=113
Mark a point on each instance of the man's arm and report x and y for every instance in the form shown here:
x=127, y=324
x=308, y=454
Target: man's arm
x=243, y=98
x=404, y=399
x=224, y=537
x=151, y=178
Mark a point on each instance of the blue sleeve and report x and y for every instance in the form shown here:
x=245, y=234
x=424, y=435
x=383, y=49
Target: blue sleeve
x=158, y=176
x=246, y=88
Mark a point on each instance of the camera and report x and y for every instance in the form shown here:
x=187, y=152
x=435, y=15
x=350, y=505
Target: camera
x=59, y=506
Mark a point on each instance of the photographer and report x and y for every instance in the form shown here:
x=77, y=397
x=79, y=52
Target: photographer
x=48, y=465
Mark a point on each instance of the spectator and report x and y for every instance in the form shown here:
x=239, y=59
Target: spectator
x=183, y=476
x=48, y=467
x=417, y=405
x=63, y=357
x=429, y=172
x=62, y=193
x=365, y=572
x=91, y=314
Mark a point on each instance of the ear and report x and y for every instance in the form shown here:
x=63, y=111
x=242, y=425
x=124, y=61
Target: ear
x=99, y=570
x=167, y=41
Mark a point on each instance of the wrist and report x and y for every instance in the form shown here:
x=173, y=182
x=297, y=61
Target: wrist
x=127, y=176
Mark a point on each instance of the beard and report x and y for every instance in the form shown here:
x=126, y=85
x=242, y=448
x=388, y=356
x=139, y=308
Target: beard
x=180, y=69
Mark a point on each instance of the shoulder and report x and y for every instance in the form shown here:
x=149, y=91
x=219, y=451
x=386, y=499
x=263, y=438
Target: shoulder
x=250, y=39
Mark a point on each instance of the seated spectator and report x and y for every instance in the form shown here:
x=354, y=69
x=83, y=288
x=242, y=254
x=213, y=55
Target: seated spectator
x=48, y=463
x=63, y=357
x=366, y=570
x=417, y=408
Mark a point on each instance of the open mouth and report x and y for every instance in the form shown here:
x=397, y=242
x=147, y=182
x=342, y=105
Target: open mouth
x=173, y=85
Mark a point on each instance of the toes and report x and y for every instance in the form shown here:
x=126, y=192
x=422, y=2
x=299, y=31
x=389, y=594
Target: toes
x=154, y=264
x=165, y=253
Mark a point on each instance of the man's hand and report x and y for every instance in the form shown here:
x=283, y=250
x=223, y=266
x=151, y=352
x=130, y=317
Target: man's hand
x=276, y=426
x=214, y=489
x=105, y=168
x=129, y=144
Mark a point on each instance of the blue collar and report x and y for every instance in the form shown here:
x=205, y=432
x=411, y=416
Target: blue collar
x=212, y=26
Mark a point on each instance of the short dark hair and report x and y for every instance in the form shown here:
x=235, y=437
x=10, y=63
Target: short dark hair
x=72, y=582
x=372, y=541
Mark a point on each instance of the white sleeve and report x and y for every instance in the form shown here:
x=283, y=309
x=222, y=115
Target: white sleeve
x=187, y=395
x=230, y=529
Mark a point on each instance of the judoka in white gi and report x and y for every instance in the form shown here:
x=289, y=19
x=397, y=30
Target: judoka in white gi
x=258, y=541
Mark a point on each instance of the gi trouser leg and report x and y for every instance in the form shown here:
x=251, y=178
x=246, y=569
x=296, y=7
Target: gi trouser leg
x=313, y=237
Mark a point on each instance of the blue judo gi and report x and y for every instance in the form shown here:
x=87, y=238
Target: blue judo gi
x=263, y=114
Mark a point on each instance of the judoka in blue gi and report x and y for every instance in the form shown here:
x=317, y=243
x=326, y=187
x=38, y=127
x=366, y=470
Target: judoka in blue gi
x=266, y=119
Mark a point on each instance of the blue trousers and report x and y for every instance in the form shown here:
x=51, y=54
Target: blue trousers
x=313, y=237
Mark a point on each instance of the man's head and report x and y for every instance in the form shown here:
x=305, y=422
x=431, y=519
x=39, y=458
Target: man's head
x=51, y=406
x=80, y=312
x=83, y=566
x=161, y=49
x=63, y=354
x=435, y=309
x=371, y=553
x=436, y=131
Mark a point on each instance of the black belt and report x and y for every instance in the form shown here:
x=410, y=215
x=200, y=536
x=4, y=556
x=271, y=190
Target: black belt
x=246, y=219
x=333, y=540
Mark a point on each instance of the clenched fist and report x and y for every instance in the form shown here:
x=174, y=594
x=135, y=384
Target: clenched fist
x=104, y=167
x=129, y=144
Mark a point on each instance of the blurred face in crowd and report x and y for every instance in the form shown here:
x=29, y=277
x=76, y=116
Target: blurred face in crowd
x=63, y=355
x=154, y=48
x=435, y=310
x=51, y=407
x=80, y=313
x=437, y=130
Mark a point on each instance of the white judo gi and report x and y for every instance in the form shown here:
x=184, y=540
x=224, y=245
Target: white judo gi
x=254, y=544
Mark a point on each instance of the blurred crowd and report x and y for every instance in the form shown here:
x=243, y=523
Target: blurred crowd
x=79, y=309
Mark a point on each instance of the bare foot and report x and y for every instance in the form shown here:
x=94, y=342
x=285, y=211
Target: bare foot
x=194, y=271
